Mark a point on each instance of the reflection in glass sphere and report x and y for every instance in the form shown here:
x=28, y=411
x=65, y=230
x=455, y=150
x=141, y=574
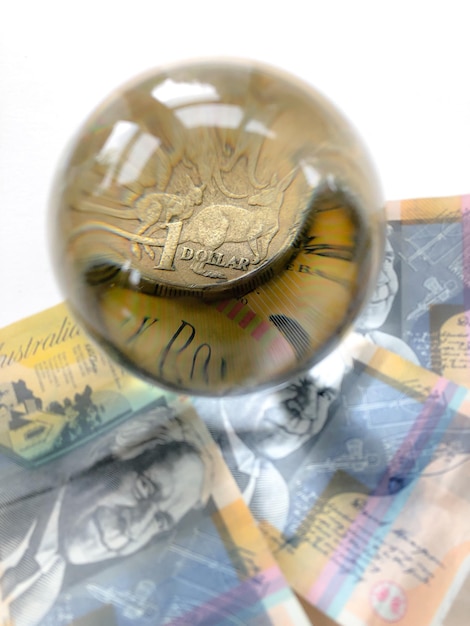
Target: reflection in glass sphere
x=217, y=226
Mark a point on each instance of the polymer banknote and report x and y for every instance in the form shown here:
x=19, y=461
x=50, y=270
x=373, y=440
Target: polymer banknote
x=331, y=464
x=121, y=510
x=58, y=389
x=358, y=480
x=421, y=305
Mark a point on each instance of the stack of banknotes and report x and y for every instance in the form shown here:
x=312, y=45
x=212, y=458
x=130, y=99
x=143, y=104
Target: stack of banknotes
x=341, y=498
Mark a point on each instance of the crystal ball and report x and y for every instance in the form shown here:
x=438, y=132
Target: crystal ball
x=217, y=226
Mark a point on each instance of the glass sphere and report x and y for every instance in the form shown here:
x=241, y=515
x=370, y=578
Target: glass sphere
x=217, y=226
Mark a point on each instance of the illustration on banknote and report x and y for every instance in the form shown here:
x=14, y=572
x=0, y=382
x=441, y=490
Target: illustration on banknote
x=265, y=437
x=430, y=242
x=61, y=613
x=29, y=425
x=394, y=446
x=262, y=435
x=143, y=522
x=135, y=603
x=378, y=320
x=284, y=446
x=112, y=510
x=381, y=441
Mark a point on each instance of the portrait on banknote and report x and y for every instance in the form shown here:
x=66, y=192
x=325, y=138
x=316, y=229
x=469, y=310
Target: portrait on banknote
x=265, y=435
x=283, y=446
x=69, y=521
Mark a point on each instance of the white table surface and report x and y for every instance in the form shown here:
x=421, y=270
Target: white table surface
x=399, y=70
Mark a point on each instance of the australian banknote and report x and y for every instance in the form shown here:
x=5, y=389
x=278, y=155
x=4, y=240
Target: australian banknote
x=421, y=305
x=124, y=512
x=358, y=481
x=58, y=389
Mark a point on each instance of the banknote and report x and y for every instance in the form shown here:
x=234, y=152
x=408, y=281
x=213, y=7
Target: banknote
x=357, y=476
x=420, y=307
x=138, y=522
x=58, y=389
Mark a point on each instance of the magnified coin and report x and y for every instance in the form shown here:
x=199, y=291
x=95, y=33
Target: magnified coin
x=217, y=226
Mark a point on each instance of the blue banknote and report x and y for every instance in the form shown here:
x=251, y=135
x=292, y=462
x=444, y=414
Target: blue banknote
x=354, y=437
x=421, y=303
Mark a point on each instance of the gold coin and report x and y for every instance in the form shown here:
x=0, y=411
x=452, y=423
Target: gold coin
x=206, y=183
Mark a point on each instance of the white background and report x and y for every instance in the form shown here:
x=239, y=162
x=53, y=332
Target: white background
x=398, y=69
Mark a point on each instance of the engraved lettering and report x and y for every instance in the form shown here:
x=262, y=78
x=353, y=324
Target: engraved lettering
x=169, y=249
x=187, y=253
x=216, y=258
x=208, y=257
x=201, y=256
x=233, y=262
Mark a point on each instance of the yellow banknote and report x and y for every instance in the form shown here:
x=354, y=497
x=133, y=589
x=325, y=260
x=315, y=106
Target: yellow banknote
x=58, y=389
